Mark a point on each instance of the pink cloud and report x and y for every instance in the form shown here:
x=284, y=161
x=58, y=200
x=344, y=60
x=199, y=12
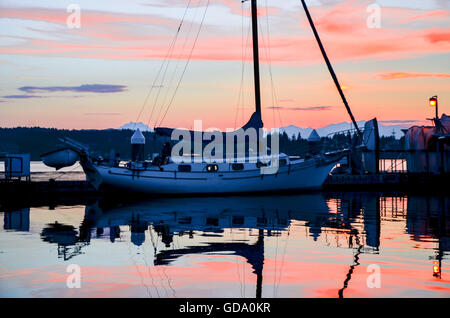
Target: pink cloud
x=89, y=18
x=430, y=15
x=342, y=28
x=235, y=6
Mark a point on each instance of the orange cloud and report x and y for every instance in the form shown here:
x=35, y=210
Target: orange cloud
x=400, y=75
x=438, y=36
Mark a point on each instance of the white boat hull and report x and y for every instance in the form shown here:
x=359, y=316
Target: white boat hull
x=300, y=176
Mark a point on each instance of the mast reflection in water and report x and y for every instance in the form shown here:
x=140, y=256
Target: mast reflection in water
x=313, y=245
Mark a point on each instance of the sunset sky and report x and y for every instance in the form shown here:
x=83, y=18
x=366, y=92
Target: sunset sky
x=99, y=75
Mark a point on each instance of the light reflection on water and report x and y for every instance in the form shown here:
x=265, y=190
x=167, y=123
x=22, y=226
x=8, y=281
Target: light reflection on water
x=312, y=245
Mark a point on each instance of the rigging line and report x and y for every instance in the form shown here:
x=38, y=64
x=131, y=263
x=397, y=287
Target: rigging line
x=137, y=269
x=268, y=54
x=266, y=45
x=145, y=260
x=284, y=254
x=187, y=63
x=171, y=79
x=169, y=53
x=161, y=280
x=154, y=253
x=168, y=282
x=236, y=260
x=241, y=95
x=280, y=118
x=274, y=91
x=176, y=65
x=163, y=78
x=274, y=96
x=162, y=82
x=242, y=66
x=247, y=46
x=251, y=79
x=63, y=173
x=162, y=64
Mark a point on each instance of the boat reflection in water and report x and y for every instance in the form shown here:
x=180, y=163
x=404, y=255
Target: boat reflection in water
x=349, y=221
x=320, y=243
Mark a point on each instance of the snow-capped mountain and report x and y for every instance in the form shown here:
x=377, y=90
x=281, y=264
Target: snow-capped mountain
x=384, y=130
x=134, y=126
x=293, y=131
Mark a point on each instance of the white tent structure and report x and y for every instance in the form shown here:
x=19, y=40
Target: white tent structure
x=314, y=136
x=428, y=147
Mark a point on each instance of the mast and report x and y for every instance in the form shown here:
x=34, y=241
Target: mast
x=256, y=56
x=330, y=68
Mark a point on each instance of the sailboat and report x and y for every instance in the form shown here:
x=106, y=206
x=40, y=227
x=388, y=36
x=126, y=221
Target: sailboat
x=211, y=177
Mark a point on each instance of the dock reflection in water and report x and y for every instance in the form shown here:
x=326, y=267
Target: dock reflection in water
x=312, y=245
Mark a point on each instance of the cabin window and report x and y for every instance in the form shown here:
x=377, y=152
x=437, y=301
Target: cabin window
x=186, y=220
x=212, y=221
x=212, y=168
x=184, y=168
x=260, y=221
x=237, y=166
x=260, y=164
x=238, y=220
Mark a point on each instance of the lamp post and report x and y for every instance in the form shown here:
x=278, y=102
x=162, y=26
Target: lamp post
x=434, y=103
x=438, y=125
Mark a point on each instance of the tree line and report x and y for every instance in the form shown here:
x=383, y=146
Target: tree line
x=36, y=141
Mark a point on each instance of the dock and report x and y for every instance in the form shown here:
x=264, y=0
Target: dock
x=38, y=189
x=45, y=187
x=420, y=182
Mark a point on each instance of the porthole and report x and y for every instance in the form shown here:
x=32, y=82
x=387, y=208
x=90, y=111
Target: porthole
x=184, y=168
x=212, y=168
x=237, y=166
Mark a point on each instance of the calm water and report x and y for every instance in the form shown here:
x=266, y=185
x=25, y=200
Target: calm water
x=314, y=245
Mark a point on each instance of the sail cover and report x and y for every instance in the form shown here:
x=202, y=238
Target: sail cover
x=246, y=147
x=254, y=122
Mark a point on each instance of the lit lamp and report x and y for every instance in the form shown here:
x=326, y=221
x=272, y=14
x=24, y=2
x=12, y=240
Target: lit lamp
x=436, y=269
x=434, y=103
